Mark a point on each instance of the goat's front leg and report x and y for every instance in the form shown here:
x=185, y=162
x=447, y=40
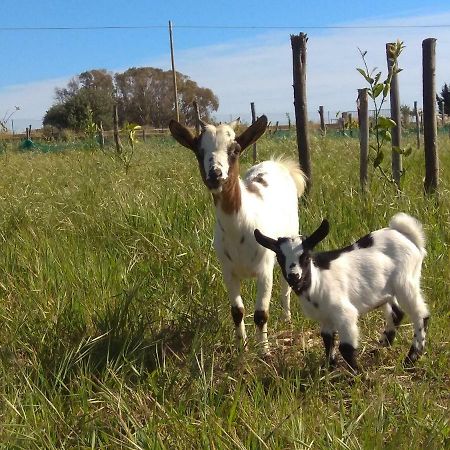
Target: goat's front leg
x=347, y=327
x=329, y=340
x=286, y=300
x=264, y=290
x=233, y=285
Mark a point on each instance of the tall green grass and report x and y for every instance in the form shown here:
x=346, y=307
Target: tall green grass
x=116, y=330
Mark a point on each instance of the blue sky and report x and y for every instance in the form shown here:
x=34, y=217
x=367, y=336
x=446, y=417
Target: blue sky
x=240, y=65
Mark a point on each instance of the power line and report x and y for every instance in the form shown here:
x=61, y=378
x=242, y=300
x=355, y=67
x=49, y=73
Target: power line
x=224, y=27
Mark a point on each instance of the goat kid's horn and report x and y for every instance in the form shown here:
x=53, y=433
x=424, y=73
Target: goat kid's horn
x=319, y=235
x=265, y=241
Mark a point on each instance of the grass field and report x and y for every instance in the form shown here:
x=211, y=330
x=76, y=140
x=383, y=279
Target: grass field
x=116, y=331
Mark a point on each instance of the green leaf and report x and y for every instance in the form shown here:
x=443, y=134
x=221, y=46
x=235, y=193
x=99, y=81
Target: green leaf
x=365, y=75
x=386, y=123
x=376, y=91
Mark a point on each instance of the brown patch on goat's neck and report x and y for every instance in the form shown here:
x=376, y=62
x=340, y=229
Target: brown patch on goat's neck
x=230, y=197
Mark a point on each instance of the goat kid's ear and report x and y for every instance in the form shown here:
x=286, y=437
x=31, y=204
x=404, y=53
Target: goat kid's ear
x=266, y=241
x=183, y=135
x=252, y=133
x=319, y=235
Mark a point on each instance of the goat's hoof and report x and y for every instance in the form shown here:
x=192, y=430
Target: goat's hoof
x=286, y=317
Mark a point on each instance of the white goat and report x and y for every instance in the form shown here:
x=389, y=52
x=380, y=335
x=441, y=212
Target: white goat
x=266, y=198
x=336, y=287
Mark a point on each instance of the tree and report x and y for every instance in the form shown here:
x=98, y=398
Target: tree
x=89, y=92
x=145, y=96
x=445, y=97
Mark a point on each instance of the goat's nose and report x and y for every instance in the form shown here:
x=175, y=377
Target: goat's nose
x=215, y=173
x=293, y=278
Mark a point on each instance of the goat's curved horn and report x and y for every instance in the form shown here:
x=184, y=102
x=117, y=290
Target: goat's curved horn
x=318, y=235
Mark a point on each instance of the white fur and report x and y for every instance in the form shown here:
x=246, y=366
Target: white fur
x=362, y=279
x=285, y=183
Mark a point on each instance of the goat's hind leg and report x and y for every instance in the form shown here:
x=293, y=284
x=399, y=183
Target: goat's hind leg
x=393, y=316
x=411, y=300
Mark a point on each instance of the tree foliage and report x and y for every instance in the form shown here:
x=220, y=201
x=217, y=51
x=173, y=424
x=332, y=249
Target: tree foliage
x=144, y=96
x=444, y=97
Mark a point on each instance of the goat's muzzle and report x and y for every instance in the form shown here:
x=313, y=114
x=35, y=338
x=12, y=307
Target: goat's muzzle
x=294, y=282
x=214, y=179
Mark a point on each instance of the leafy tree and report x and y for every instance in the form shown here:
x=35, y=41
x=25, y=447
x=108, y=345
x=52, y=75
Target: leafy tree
x=89, y=95
x=145, y=96
x=445, y=97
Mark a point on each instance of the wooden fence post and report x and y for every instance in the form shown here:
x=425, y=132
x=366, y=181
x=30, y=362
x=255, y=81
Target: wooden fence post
x=101, y=135
x=363, y=121
x=322, y=121
x=416, y=115
x=429, y=115
x=197, y=117
x=298, y=43
x=119, y=147
x=252, y=107
x=395, y=116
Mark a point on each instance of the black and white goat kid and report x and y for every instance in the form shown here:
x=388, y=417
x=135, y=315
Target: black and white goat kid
x=336, y=287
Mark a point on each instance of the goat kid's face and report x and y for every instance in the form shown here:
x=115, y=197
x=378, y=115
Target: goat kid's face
x=218, y=151
x=217, y=148
x=294, y=254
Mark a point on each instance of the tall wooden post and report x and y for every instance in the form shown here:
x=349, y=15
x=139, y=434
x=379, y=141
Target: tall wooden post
x=174, y=74
x=429, y=115
x=119, y=147
x=252, y=107
x=322, y=121
x=298, y=43
x=395, y=116
x=197, y=117
x=101, y=135
x=363, y=121
x=416, y=115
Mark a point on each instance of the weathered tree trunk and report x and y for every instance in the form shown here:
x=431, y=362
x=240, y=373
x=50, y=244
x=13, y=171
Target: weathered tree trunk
x=174, y=74
x=298, y=43
x=252, y=107
x=119, y=147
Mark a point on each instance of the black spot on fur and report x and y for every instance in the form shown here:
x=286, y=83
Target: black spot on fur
x=365, y=242
x=260, y=179
x=323, y=260
x=316, y=305
x=397, y=314
x=228, y=255
x=237, y=313
x=242, y=239
x=348, y=352
x=260, y=318
x=425, y=323
x=221, y=226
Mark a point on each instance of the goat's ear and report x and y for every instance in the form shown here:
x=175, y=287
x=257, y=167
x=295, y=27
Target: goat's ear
x=252, y=133
x=183, y=135
x=234, y=123
x=266, y=241
x=319, y=235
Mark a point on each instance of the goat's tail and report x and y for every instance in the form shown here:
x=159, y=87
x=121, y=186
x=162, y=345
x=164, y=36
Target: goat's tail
x=295, y=172
x=411, y=228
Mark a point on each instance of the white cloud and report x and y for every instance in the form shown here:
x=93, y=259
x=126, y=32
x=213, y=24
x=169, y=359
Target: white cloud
x=259, y=69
